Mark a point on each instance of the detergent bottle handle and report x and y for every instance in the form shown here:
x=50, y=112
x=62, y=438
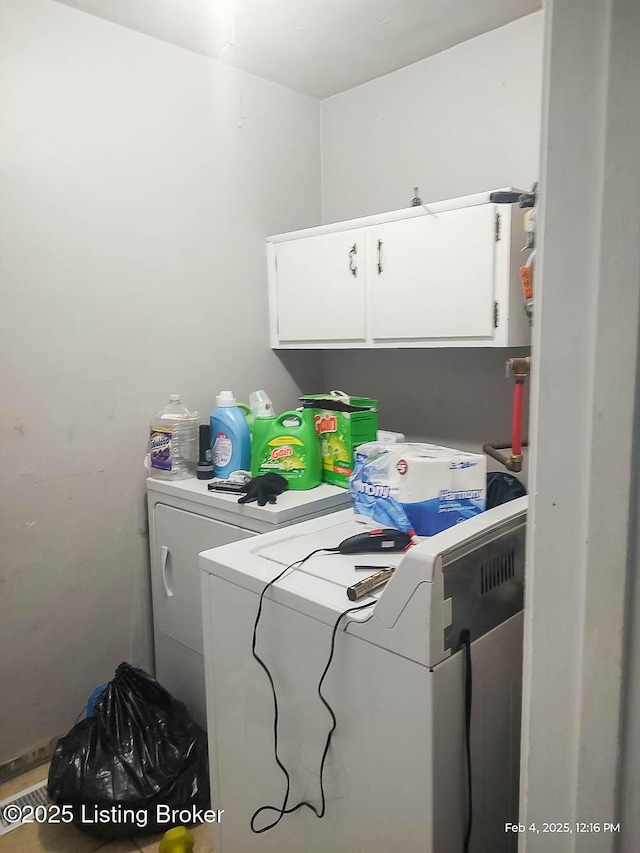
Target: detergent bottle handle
x=290, y=416
x=246, y=411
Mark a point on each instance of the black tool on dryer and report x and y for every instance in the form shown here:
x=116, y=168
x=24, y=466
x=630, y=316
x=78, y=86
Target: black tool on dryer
x=383, y=539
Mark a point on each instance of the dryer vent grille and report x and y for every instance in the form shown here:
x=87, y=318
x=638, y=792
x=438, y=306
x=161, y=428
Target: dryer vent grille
x=498, y=570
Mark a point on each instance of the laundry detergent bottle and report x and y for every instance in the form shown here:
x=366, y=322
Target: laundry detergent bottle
x=292, y=449
x=230, y=437
x=263, y=418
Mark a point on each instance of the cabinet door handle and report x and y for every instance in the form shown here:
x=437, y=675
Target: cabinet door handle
x=353, y=251
x=379, y=256
x=167, y=576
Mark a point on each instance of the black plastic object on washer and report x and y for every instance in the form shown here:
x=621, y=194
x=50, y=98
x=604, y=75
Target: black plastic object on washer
x=374, y=541
x=204, y=468
x=502, y=488
x=139, y=751
x=264, y=489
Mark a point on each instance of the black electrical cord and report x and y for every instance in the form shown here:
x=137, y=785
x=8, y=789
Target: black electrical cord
x=283, y=809
x=465, y=640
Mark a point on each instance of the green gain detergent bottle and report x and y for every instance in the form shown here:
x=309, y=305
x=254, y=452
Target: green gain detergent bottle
x=263, y=419
x=292, y=449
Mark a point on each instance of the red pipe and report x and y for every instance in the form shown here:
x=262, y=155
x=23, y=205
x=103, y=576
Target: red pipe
x=516, y=425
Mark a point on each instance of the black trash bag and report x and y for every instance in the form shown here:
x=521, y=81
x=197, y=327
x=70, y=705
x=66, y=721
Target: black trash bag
x=140, y=751
x=503, y=487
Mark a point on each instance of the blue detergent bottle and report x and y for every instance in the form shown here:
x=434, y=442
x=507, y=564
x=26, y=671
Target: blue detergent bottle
x=230, y=437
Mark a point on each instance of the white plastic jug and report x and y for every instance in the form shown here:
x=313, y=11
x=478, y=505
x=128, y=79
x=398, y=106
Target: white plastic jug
x=173, y=441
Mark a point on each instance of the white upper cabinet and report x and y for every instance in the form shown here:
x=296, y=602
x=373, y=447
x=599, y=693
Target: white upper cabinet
x=438, y=277
x=433, y=276
x=320, y=288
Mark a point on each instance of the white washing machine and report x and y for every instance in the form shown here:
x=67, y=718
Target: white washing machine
x=184, y=519
x=395, y=776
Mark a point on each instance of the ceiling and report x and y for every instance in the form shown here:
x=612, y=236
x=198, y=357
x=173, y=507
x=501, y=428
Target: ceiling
x=319, y=47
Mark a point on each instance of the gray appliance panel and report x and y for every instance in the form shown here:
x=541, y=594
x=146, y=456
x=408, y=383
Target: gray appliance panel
x=486, y=584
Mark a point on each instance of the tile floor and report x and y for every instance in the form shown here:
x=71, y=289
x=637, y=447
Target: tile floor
x=53, y=838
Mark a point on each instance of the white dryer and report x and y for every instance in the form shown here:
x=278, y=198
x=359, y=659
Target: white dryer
x=184, y=519
x=395, y=776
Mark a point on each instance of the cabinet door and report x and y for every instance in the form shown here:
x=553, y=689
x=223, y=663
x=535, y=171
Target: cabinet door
x=175, y=577
x=433, y=276
x=320, y=287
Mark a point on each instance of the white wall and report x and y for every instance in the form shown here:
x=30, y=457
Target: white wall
x=460, y=122
x=463, y=121
x=132, y=265
x=580, y=729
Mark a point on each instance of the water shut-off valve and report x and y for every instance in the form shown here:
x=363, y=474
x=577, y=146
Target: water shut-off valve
x=519, y=368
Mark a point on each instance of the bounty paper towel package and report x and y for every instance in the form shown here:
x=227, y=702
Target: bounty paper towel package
x=420, y=487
